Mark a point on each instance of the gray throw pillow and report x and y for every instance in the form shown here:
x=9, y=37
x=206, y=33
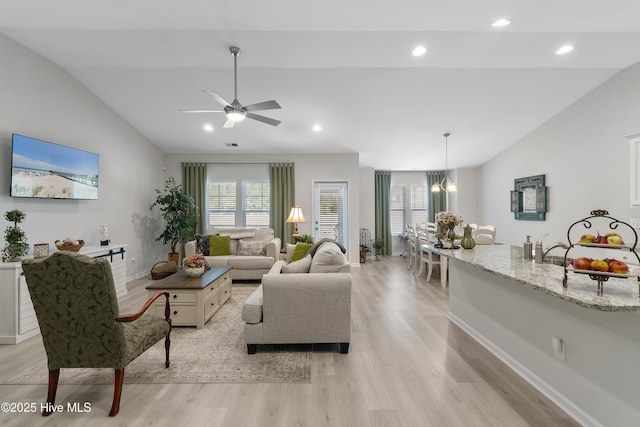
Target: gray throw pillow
x=300, y=266
x=327, y=259
x=250, y=247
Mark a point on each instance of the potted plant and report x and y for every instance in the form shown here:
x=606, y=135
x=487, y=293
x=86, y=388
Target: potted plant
x=378, y=245
x=175, y=208
x=194, y=265
x=305, y=238
x=15, y=238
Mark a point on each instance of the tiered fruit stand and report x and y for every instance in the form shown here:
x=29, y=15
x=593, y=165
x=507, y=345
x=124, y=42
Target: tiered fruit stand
x=600, y=217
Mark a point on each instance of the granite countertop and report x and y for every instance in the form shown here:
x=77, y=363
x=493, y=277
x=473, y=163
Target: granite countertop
x=508, y=262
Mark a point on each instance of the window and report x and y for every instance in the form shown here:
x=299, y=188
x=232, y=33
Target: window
x=255, y=202
x=418, y=204
x=331, y=211
x=238, y=196
x=397, y=209
x=221, y=206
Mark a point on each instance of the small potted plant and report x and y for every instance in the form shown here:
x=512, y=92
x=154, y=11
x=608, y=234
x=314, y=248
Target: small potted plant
x=305, y=238
x=194, y=265
x=378, y=245
x=176, y=209
x=15, y=238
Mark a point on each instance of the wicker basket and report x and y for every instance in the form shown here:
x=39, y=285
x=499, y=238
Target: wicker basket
x=70, y=248
x=163, y=269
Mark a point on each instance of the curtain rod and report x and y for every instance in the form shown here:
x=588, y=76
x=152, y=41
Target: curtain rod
x=234, y=163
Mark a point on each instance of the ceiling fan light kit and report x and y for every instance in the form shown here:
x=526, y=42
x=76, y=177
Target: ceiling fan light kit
x=235, y=111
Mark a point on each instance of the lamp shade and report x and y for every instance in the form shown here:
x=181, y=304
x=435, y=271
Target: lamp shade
x=295, y=215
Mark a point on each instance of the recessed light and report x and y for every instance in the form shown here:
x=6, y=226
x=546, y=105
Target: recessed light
x=564, y=49
x=502, y=22
x=419, y=51
x=208, y=127
x=317, y=127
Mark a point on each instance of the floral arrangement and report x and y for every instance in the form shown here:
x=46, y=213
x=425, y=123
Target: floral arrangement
x=194, y=261
x=448, y=220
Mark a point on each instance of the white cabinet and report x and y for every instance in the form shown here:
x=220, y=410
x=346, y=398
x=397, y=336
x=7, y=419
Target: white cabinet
x=17, y=317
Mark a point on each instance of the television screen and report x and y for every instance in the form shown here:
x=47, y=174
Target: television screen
x=46, y=170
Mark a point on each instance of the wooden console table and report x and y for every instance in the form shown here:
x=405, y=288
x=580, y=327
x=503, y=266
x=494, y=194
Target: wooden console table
x=194, y=300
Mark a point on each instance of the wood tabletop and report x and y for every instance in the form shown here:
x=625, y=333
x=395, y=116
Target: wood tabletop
x=180, y=280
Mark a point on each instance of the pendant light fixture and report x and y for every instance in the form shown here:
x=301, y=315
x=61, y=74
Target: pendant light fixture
x=450, y=185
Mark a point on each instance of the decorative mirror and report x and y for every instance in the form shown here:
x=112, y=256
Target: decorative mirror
x=529, y=198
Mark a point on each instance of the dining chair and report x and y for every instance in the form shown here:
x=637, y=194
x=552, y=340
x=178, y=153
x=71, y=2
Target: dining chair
x=411, y=247
x=426, y=257
x=485, y=235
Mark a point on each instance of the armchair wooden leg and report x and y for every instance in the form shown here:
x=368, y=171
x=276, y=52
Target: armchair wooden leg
x=54, y=375
x=117, y=392
x=344, y=347
x=167, y=345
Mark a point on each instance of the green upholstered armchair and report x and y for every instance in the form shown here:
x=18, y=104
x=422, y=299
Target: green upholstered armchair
x=77, y=309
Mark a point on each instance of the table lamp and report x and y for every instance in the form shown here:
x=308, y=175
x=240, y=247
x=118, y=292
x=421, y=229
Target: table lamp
x=296, y=217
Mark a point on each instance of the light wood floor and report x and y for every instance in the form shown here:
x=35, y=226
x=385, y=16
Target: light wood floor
x=407, y=366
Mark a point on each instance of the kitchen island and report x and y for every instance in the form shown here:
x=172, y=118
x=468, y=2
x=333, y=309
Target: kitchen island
x=579, y=349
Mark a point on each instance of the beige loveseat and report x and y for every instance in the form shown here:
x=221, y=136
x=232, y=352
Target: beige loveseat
x=298, y=308
x=251, y=253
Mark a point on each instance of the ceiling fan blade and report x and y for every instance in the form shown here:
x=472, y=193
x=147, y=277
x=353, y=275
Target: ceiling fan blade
x=201, y=111
x=229, y=123
x=267, y=105
x=217, y=97
x=263, y=119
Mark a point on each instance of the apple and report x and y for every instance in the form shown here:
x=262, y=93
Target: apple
x=615, y=239
x=599, y=265
x=618, y=267
x=587, y=238
x=600, y=239
x=582, y=263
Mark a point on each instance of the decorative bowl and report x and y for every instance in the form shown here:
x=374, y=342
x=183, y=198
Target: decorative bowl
x=62, y=246
x=194, y=271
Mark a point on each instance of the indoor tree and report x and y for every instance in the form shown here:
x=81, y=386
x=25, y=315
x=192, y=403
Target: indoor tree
x=176, y=209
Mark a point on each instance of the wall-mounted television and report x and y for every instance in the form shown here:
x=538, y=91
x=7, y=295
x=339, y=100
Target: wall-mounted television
x=43, y=169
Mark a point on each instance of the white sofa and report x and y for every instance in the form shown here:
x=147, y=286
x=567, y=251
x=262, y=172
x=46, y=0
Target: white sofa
x=299, y=308
x=252, y=251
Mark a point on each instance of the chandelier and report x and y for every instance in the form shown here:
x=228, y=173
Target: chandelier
x=450, y=185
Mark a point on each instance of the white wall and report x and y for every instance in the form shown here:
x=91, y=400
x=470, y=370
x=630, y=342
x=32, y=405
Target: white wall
x=41, y=100
x=585, y=156
x=308, y=169
x=467, y=199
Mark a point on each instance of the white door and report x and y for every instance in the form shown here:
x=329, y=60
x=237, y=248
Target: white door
x=330, y=211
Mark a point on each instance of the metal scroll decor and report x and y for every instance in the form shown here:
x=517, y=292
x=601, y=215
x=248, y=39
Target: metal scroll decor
x=609, y=226
x=529, y=198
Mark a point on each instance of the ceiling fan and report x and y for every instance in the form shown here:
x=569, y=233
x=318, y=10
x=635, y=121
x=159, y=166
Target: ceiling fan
x=235, y=111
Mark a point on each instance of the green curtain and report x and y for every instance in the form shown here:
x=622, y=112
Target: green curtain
x=283, y=191
x=383, y=209
x=438, y=200
x=194, y=184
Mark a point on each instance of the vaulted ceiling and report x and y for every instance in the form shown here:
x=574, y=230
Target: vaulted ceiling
x=346, y=65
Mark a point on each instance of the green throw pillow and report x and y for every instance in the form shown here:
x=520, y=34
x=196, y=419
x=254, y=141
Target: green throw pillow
x=300, y=251
x=219, y=245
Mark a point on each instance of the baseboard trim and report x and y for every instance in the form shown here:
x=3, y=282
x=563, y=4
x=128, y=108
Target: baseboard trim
x=576, y=412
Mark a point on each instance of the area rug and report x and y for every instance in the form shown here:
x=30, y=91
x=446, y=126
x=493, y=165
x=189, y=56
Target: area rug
x=215, y=354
